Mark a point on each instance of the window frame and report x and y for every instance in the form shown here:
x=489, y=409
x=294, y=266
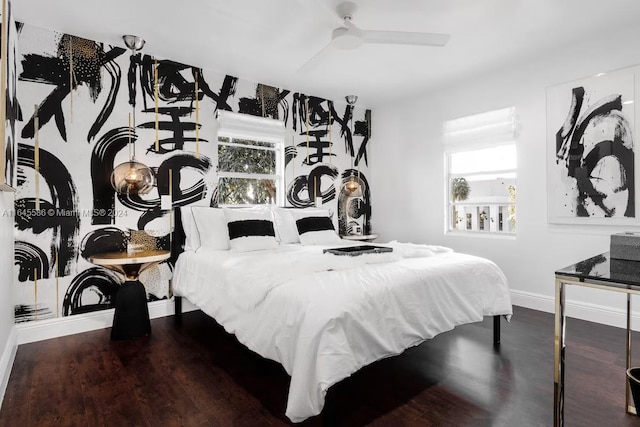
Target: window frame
x=496, y=207
x=233, y=133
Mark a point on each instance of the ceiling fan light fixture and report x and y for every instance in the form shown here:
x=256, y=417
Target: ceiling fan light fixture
x=347, y=38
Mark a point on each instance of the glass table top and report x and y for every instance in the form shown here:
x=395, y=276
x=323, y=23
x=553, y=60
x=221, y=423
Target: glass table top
x=605, y=269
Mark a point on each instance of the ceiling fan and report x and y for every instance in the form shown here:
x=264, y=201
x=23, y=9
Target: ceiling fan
x=349, y=36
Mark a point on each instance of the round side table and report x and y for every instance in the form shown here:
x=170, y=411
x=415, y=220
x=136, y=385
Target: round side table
x=360, y=238
x=131, y=317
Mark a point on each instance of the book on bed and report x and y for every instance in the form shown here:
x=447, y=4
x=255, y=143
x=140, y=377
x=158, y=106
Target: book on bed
x=358, y=250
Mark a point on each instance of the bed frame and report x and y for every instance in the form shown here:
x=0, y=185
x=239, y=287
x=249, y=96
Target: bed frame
x=496, y=320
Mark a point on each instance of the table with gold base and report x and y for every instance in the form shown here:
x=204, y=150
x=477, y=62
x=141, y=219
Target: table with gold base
x=598, y=272
x=131, y=316
x=360, y=237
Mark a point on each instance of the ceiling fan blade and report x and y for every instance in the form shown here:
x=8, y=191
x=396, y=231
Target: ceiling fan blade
x=400, y=37
x=317, y=59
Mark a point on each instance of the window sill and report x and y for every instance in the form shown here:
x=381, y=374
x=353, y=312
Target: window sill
x=481, y=234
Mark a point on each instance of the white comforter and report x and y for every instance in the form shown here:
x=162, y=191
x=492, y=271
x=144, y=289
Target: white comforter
x=323, y=319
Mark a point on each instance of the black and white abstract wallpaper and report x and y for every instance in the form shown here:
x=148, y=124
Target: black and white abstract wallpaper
x=12, y=110
x=80, y=93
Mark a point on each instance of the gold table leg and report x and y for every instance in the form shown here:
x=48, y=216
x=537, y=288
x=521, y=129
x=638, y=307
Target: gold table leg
x=631, y=409
x=558, y=356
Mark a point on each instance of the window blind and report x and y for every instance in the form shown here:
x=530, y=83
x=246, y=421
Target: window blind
x=238, y=125
x=478, y=130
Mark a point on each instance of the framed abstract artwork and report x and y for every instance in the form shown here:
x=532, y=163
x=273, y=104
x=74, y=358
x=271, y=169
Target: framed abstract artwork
x=592, y=151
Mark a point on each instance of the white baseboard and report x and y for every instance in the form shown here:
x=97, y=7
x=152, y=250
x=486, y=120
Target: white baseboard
x=62, y=326
x=6, y=361
x=579, y=310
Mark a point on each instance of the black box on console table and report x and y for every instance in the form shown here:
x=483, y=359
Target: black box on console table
x=624, y=271
x=625, y=246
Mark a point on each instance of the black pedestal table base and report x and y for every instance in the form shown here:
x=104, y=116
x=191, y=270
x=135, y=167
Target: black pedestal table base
x=131, y=318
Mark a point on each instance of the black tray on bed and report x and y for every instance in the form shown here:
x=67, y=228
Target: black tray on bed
x=358, y=250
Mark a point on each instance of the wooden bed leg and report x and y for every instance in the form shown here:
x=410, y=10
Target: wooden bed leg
x=178, y=311
x=496, y=330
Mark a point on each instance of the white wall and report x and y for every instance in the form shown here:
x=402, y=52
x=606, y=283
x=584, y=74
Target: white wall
x=408, y=173
x=6, y=263
x=7, y=330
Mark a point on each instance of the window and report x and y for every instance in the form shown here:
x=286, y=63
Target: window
x=250, y=160
x=481, y=168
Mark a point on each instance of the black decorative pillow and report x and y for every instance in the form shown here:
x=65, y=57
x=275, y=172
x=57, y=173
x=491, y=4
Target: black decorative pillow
x=315, y=228
x=285, y=224
x=250, y=229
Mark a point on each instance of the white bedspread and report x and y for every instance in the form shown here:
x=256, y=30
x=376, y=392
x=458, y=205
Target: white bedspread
x=250, y=286
x=323, y=326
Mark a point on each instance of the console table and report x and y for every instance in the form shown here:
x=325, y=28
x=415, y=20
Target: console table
x=599, y=272
x=131, y=316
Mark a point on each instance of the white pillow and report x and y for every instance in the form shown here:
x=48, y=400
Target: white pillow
x=212, y=227
x=286, y=230
x=315, y=228
x=250, y=229
x=191, y=236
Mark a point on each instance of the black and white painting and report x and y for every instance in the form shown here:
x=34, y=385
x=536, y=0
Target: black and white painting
x=591, y=150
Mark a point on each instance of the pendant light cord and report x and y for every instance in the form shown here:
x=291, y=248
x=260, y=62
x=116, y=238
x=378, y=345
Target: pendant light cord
x=133, y=105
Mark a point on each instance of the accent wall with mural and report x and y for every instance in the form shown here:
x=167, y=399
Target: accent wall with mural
x=75, y=96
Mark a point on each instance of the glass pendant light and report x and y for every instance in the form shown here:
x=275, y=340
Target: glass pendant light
x=353, y=185
x=132, y=177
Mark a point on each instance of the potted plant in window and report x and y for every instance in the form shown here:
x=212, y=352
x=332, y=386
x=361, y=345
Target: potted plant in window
x=459, y=191
x=512, y=208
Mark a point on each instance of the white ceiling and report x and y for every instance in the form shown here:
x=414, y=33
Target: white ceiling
x=268, y=41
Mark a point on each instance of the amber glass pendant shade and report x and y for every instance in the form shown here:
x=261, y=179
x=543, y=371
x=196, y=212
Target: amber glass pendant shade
x=352, y=185
x=352, y=188
x=132, y=178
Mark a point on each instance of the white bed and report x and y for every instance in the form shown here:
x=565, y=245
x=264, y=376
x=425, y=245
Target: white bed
x=323, y=326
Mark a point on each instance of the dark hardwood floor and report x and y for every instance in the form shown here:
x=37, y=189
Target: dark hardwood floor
x=196, y=374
